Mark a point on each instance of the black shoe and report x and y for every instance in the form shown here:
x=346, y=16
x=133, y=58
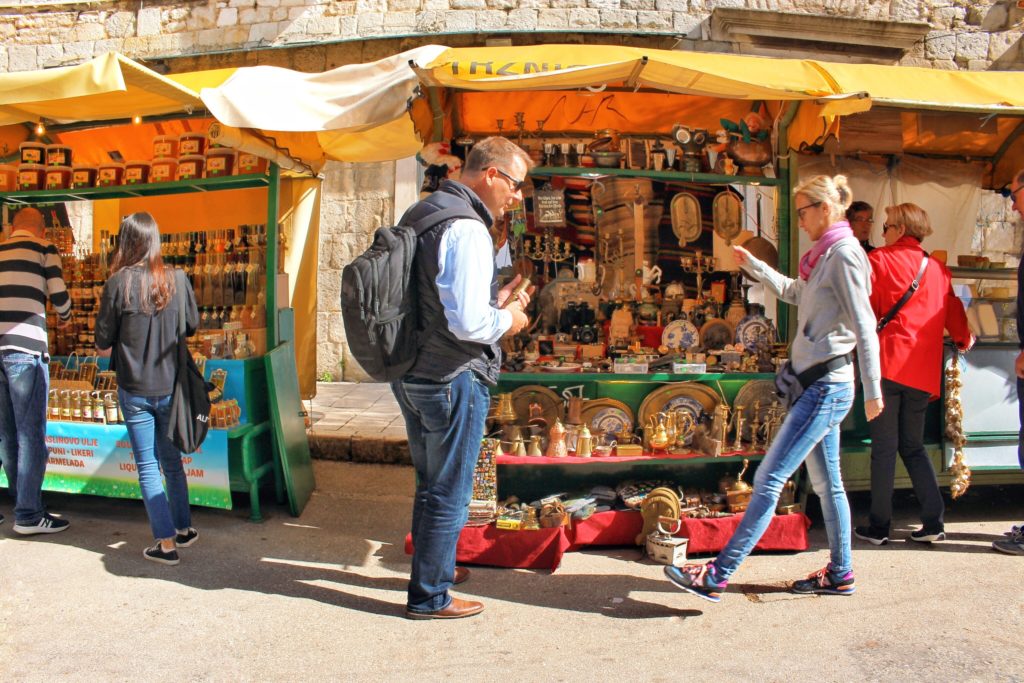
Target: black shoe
x=866, y=533
x=184, y=539
x=923, y=536
x=826, y=582
x=158, y=554
x=1, y=519
x=47, y=525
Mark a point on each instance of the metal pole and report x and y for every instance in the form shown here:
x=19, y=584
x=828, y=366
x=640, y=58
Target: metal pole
x=273, y=192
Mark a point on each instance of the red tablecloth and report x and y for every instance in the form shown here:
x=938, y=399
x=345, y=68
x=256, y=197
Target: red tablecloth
x=543, y=549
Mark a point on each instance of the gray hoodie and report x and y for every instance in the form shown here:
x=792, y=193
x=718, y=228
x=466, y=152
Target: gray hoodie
x=834, y=314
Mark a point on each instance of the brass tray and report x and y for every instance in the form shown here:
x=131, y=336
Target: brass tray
x=550, y=405
x=716, y=333
x=607, y=416
x=699, y=400
x=727, y=215
x=686, y=218
x=762, y=390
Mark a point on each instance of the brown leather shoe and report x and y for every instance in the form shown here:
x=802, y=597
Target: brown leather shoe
x=461, y=575
x=457, y=609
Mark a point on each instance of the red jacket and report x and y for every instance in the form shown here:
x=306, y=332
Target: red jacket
x=911, y=344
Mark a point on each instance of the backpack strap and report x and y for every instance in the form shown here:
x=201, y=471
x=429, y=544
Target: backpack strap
x=914, y=285
x=440, y=216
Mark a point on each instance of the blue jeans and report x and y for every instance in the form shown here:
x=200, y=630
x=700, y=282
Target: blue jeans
x=445, y=424
x=24, y=384
x=810, y=432
x=146, y=418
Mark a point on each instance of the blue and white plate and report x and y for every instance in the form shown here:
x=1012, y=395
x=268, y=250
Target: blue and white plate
x=680, y=334
x=753, y=330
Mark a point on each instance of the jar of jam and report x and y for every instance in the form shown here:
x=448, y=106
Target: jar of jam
x=163, y=170
x=31, y=176
x=191, y=143
x=136, y=172
x=220, y=162
x=165, y=146
x=58, y=155
x=58, y=177
x=250, y=163
x=191, y=166
x=83, y=176
x=8, y=178
x=32, y=153
x=110, y=174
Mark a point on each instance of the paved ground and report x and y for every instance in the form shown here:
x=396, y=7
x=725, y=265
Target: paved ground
x=321, y=598
x=357, y=422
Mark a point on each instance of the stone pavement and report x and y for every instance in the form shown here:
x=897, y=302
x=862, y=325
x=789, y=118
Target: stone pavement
x=357, y=421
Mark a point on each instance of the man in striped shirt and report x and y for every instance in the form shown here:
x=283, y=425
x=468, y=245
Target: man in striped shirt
x=29, y=275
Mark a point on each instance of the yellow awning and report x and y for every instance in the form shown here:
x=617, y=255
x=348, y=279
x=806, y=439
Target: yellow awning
x=108, y=87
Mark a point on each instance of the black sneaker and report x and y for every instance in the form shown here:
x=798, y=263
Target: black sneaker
x=158, y=554
x=1, y=519
x=47, y=525
x=827, y=582
x=184, y=539
x=923, y=536
x=866, y=533
x=696, y=579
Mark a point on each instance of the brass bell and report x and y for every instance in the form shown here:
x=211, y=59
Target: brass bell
x=506, y=413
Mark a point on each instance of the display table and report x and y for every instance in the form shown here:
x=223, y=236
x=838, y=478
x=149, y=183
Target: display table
x=543, y=548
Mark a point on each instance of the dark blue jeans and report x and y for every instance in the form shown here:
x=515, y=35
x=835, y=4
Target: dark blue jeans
x=146, y=418
x=24, y=382
x=445, y=424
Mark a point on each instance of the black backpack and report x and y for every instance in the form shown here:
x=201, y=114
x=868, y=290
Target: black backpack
x=378, y=297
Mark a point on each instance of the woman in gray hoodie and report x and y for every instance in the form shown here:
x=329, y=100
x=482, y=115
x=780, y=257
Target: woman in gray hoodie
x=834, y=317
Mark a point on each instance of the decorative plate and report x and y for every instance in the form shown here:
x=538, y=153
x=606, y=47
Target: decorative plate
x=692, y=397
x=760, y=391
x=535, y=401
x=607, y=416
x=565, y=367
x=727, y=215
x=686, y=218
x=680, y=334
x=754, y=329
x=716, y=334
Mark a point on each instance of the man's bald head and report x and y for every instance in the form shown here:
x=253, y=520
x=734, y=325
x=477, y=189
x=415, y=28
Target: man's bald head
x=29, y=219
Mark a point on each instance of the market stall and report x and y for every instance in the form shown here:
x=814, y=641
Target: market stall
x=121, y=138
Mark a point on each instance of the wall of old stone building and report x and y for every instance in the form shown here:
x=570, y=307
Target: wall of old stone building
x=316, y=35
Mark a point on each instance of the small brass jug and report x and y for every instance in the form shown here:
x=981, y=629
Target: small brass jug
x=584, y=443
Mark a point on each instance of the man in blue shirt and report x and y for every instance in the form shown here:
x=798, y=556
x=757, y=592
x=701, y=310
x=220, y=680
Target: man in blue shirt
x=1014, y=543
x=444, y=397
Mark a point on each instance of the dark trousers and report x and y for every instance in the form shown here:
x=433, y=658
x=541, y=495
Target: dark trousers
x=900, y=428
x=1020, y=407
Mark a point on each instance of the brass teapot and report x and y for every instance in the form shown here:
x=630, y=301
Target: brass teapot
x=738, y=495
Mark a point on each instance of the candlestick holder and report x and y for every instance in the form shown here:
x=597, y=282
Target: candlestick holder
x=699, y=264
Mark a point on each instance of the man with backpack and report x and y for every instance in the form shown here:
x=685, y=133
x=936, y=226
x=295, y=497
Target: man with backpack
x=443, y=395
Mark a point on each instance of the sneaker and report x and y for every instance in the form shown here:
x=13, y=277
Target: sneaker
x=1, y=519
x=869, y=534
x=1014, y=545
x=158, y=554
x=827, y=582
x=1014, y=530
x=184, y=539
x=48, y=524
x=923, y=536
x=696, y=579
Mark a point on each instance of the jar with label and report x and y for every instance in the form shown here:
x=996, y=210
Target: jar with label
x=191, y=167
x=58, y=155
x=165, y=146
x=32, y=153
x=83, y=176
x=110, y=174
x=220, y=162
x=58, y=177
x=250, y=163
x=136, y=173
x=31, y=176
x=163, y=170
x=8, y=178
x=191, y=143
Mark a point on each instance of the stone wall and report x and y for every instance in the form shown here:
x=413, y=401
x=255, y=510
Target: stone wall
x=313, y=36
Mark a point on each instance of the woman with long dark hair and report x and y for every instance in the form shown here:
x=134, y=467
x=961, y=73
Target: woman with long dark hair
x=138, y=327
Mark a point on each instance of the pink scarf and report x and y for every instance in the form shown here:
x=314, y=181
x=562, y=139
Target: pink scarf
x=835, y=232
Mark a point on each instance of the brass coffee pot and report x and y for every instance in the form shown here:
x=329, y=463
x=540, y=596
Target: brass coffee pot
x=584, y=443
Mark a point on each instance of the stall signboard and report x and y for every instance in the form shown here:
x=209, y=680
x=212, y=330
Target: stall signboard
x=98, y=460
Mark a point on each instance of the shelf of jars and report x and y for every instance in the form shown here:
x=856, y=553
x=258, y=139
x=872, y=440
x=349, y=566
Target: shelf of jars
x=238, y=182
x=663, y=175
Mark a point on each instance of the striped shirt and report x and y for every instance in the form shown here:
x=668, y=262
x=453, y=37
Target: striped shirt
x=29, y=273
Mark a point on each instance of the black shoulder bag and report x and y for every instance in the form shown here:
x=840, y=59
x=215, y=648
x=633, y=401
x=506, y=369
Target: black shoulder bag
x=914, y=285
x=190, y=401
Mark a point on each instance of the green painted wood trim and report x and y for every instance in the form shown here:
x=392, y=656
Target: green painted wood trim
x=273, y=240
x=237, y=182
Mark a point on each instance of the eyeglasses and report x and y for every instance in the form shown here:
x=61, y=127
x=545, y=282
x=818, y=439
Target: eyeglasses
x=1013, y=193
x=800, y=211
x=517, y=185
x=887, y=226
x=865, y=219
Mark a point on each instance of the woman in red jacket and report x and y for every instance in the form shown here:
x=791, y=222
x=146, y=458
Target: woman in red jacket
x=911, y=352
